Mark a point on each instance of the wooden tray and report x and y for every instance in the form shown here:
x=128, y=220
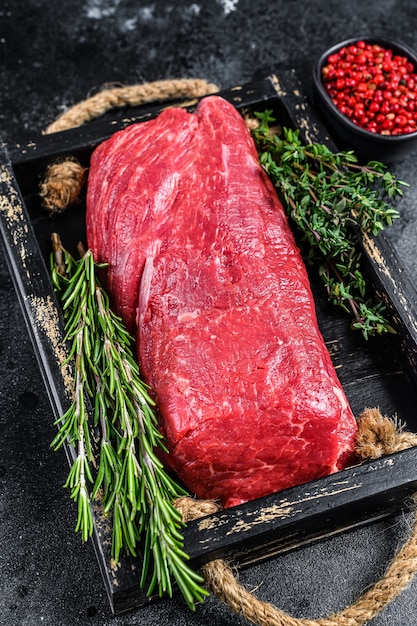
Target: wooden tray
x=381, y=372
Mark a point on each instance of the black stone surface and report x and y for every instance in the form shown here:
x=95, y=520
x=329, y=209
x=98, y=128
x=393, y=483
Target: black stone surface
x=54, y=53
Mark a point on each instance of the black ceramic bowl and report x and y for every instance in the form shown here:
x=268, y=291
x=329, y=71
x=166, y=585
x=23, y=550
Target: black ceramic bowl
x=348, y=135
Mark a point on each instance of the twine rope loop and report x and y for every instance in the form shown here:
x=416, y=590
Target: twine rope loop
x=132, y=95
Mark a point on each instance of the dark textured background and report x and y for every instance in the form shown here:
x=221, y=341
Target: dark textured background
x=54, y=53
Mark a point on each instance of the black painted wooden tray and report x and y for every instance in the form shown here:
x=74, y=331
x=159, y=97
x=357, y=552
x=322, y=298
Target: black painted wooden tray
x=381, y=372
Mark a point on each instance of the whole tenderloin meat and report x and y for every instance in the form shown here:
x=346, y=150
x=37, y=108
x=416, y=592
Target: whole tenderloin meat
x=204, y=269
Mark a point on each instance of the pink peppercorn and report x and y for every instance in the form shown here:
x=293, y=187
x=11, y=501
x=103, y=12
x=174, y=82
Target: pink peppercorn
x=375, y=88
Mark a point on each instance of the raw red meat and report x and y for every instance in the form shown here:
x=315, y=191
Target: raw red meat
x=196, y=236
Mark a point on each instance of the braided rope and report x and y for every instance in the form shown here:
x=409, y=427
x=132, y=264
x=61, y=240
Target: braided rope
x=132, y=95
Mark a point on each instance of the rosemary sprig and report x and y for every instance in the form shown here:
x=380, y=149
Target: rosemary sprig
x=326, y=195
x=130, y=479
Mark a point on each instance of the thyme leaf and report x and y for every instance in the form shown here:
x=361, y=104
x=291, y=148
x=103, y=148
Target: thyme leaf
x=327, y=195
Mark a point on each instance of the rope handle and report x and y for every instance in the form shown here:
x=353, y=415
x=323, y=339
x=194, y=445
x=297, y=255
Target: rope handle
x=133, y=95
x=377, y=435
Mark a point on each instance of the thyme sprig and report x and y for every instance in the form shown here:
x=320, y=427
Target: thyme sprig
x=327, y=195
x=129, y=479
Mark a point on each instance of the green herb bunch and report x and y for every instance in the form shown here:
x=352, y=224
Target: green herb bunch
x=130, y=481
x=328, y=195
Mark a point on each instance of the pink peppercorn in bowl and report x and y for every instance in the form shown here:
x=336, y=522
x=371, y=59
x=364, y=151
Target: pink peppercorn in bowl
x=366, y=91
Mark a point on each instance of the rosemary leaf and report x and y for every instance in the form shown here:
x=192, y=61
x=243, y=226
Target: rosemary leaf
x=130, y=479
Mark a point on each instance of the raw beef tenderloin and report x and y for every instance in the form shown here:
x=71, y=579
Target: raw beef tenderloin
x=203, y=262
